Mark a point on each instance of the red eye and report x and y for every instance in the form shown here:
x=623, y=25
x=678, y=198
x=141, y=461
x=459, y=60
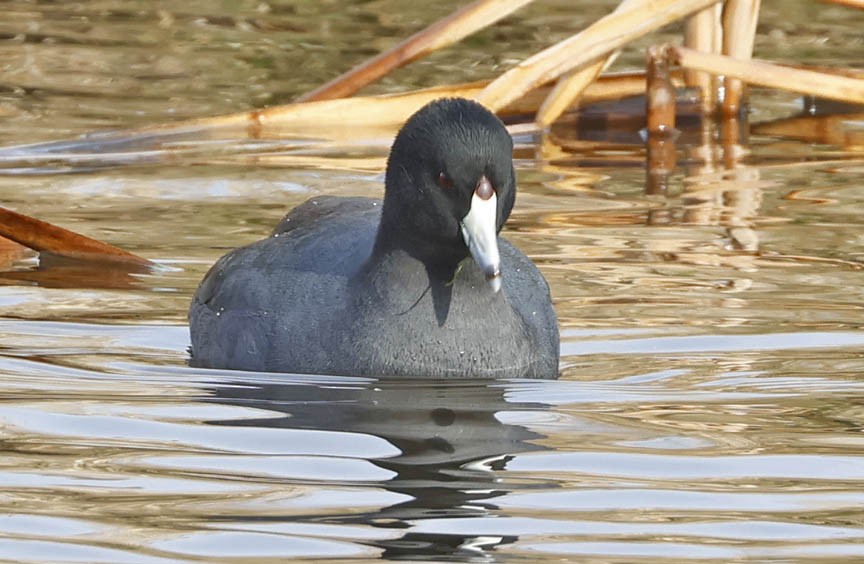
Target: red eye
x=444, y=181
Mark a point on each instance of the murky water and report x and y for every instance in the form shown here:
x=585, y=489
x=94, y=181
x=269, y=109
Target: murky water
x=711, y=404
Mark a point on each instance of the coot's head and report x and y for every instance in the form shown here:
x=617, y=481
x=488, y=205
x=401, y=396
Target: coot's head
x=450, y=185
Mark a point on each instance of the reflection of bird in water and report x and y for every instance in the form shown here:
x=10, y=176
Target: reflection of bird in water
x=449, y=435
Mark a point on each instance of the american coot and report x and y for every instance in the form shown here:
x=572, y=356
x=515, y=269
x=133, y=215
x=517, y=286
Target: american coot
x=354, y=286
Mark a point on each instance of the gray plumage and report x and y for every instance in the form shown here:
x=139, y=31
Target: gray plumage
x=336, y=289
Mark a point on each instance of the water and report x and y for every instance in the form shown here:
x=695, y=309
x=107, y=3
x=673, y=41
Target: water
x=710, y=405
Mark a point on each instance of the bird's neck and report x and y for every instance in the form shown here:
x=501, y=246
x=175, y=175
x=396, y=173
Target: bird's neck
x=399, y=281
x=396, y=235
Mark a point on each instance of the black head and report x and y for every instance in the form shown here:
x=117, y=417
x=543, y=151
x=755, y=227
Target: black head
x=444, y=155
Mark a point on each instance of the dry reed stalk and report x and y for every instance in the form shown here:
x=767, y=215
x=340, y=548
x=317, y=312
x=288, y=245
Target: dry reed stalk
x=568, y=90
x=839, y=130
x=442, y=33
x=739, y=32
x=47, y=238
x=590, y=45
x=10, y=251
x=324, y=121
x=570, y=87
x=772, y=75
x=851, y=73
x=660, y=98
x=334, y=118
x=850, y=3
x=371, y=164
x=703, y=32
x=660, y=119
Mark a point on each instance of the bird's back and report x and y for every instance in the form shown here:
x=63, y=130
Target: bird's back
x=271, y=305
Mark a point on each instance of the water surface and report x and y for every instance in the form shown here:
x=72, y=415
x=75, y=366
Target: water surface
x=710, y=407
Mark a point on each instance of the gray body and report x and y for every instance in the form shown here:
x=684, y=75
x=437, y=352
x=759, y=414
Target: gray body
x=319, y=296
